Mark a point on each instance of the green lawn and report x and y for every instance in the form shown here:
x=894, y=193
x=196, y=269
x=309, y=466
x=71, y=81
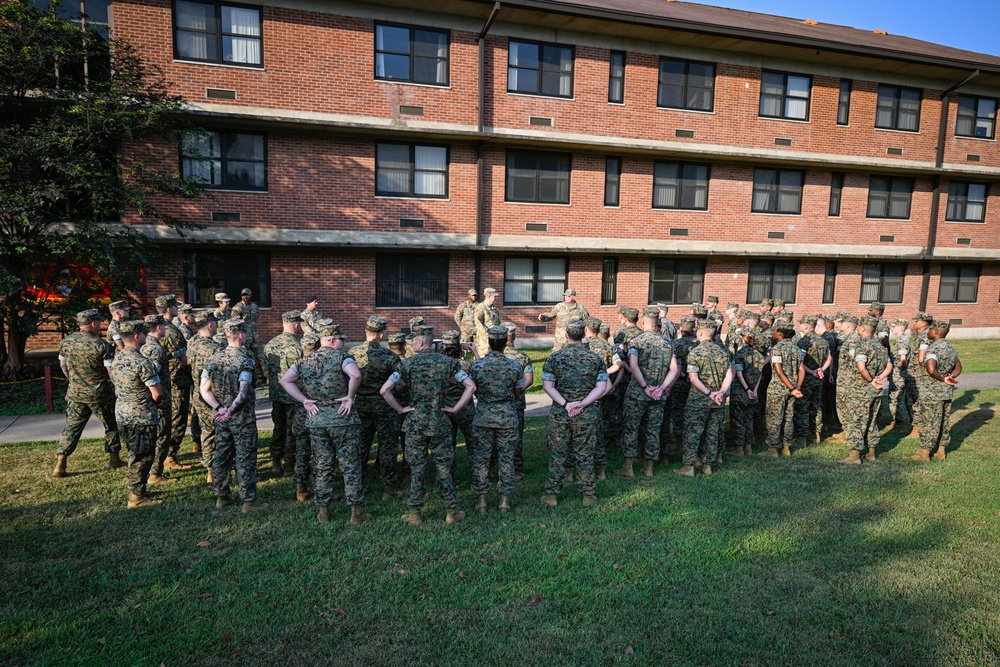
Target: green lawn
x=538, y=357
x=790, y=562
x=978, y=356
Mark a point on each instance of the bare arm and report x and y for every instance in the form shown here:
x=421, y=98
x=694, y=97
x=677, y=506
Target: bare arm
x=575, y=408
x=470, y=389
x=353, y=382
x=549, y=387
x=387, y=393
x=288, y=383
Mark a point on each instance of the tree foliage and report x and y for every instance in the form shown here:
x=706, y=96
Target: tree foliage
x=69, y=101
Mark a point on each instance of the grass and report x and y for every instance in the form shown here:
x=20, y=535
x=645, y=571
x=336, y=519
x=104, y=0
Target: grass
x=797, y=561
x=538, y=357
x=28, y=397
x=978, y=356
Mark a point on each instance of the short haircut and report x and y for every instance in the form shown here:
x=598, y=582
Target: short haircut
x=497, y=344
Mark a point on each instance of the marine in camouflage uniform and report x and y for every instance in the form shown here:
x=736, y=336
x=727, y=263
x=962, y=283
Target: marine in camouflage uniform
x=222, y=312
x=708, y=365
x=847, y=370
x=250, y=312
x=667, y=327
x=563, y=313
x=808, y=410
x=180, y=378
x=186, y=325
x=830, y=418
x=498, y=381
x=747, y=366
x=899, y=391
x=281, y=352
x=875, y=311
x=682, y=386
x=85, y=359
x=573, y=375
x=465, y=317
x=310, y=314
x=627, y=330
x=933, y=412
x=201, y=347
x=527, y=374
x=376, y=364
x=461, y=419
x=606, y=351
x=865, y=395
x=119, y=313
x=918, y=371
x=485, y=316
x=778, y=414
x=153, y=350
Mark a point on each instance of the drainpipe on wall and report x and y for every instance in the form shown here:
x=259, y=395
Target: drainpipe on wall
x=479, y=144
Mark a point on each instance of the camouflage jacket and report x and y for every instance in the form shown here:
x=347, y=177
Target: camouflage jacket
x=456, y=389
x=309, y=317
x=496, y=378
x=250, y=314
x=847, y=374
x=563, y=313
x=668, y=329
x=602, y=348
x=575, y=371
x=814, y=350
x=88, y=358
x=154, y=351
x=186, y=331
x=222, y=315
x=876, y=358
x=786, y=353
x=710, y=361
x=175, y=345
x=750, y=362
x=465, y=316
x=899, y=348
x=226, y=370
x=279, y=354
x=428, y=376
x=626, y=333
x=525, y=362
x=917, y=370
x=376, y=364
x=653, y=356
x=485, y=317
x=682, y=348
x=322, y=378
x=946, y=357
x=114, y=333
x=134, y=374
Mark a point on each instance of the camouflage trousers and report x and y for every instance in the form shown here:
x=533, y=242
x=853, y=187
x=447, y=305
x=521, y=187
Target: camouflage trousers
x=665, y=424
x=467, y=334
x=140, y=442
x=703, y=424
x=195, y=419
x=285, y=440
x=858, y=419
x=899, y=397
x=77, y=415
x=778, y=416
x=641, y=418
x=574, y=437
x=255, y=349
x=830, y=417
x=463, y=420
x=180, y=406
x=489, y=440
x=303, y=453
x=518, y=446
x=441, y=449
x=330, y=443
x=741, y=423
x=808, y=411
x=933, y=420
x=163, y=434
x=386, y=424
x=206, y=417
x=236, y=445
x=679, y=396
x=760, y=417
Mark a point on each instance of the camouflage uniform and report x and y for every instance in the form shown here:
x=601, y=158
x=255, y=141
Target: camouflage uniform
x=847, y=378
x=281, y=352
x=703, y=418
x=681, y=390
x=778, y=414
x=750, y=362
x=574, y=371
x=641, y=414
x=114, y=333
x=465, y=319
x=309, y=319
x=484, y=318
x=808, y=410
x=520, y=403
x=668, y=329
x=136, y=413
x=88, y=358
x=864, y=400
x=917, y=371
x=154, y=351
x=200, y=349
x=180, y=384
x=899, y=390
x=830, y=418
x=251, y=314
x=235, y=439
x=933, y=413
x=606, y=351
x=563, y=313
x=496, y=424
x=376, y=364
x=322, y=379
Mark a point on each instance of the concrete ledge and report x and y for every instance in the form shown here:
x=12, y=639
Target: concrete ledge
x=959, y=332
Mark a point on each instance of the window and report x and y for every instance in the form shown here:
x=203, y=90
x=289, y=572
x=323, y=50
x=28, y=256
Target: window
x=777, y=191
x=772, y=280
x=540, y=69
x=609, y=281
x=612, y=181
x=676, y=280
x=683, y=186
x=686, y=85
x=537, y=176
x=898, y=108
x=404, y=170
x=882, y=282
x=218, y=33
x=959, y=283
x=977, y=117
x=784, y=95
x=836, y=193
x=209, y=271
x=844, y=103
x=534, y=280
x=228, y=160
x=830, y=282
x=417, y=55
x=96, y=12
x=411, y=281
x=616, y=78
x=966, y=202
x=889, y=197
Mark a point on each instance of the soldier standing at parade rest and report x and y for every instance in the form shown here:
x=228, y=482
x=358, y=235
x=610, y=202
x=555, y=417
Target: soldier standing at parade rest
x=428, y=376
x=563, y=313
x=250, y=312
x=667, y=327
x=575, y=379
x=153, y=350
x=222, y=311
x=186, y=325
x=486, y=315
x=606, y=351
x=899, y=351
x=180, y=378
x=464, y=317
x=875, y=310
x=788, y=373
x=933, y=413
x=864, y=397
x=713, y=313
x=460, y=419
x=686, y=342
x=847, y=368
x=119, y=313
x=227, y=387
x=138, y=387
x=185, y=320
x=85, y=359
x=918, y=372
x=201, y=346
x=528, y=374
x=281, y=352
x=326, y=383
x=311, y=314
x=825, y=327
x=747, y=366
x=808, y=410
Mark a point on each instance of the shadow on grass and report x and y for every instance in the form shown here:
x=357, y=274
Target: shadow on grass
x=970, y=423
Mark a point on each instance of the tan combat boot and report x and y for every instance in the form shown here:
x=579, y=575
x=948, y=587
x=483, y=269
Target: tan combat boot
x=626, y=469
x=600, y=474
x=747, y=450
x=870, y=455
x=208, y=477
x=454, y=516
x=60, y=470
x=391, y=493
x=736, y=451
x=589, y=501
x=853, y=458
x=253, y=506
x=289, y=469
x=550, y=499
x=171, y=463
x=302, y=493
x=940, y=453
x=786, y=450
x=922, y=455
x=412, y=517
x=569, y=476
x=504, y=504
x=706, y=469
x=359, y=515
x=770, y=452
x=647, y=468
x=160, y=479
x=686, y=471
x=277, y=470
x=481, y=504
x=196, y=449
x=141, y=501
x=223, y=501
x=324, y=513
x=115, y=461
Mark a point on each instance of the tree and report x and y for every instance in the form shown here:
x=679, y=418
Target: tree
x=70, y=99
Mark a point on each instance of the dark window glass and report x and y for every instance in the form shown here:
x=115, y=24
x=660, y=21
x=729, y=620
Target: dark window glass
x=772, y=280
x=977, y=117
x=405, y=170
x=898, y=108
x=609, y=281
x=410, y=281
x=218, y=33
x=777, y=191
x=228, y=160
x=534, y=280
x=209, y=271
x=418, y=55
x=830, y=282
x=683, y=186
x=785, y=95
x=844, y=103
x=534, y=68
x=676, y=280
x=959, y=283
x=882, y=282
x=966, y=202
x=538, y=176
x=612, y=181
x=616, y=78
x=836, y=192
x=88, y=15
x=889, y=197
x=686, y=85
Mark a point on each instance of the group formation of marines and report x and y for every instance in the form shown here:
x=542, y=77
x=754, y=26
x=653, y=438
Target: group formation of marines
x=651, y=388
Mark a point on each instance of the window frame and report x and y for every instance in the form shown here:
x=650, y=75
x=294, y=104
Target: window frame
x=896, y=107
x=777, y=190
x=830, y=282
x=541, y=58
x=219, y=34
x=784, y=96
x=960, y=266
x=534, y=281
x=975, y=117
x=682, y=185
x=687, y=77
x=844, y=105
x=612, y=78
x=609, y=284
x=771, y=265
x=223, y=160
x=613, y=180
x=538, y=155
x=413, y=170
x=231, y=282
x=697, y=280
x=889, y=197
x=837, y=179
x=415, y=258
x=882, y=283
x=963, y=202
x=412, y=54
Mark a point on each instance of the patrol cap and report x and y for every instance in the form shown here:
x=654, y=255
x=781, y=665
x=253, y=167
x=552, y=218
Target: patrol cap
x=786, y=315
x=394, y=339
x=337, y=333
x=662, y=306
x=325, y=327
x=923, y=316
x=473, y=292
x=749, y=314
x=706, y=325
x=376, y=323
x=246, y=291
x=570, y=292
x=185, y=308
x=868, y=321
x=941, y=325
x=165, y=301
x=766, y=303
x=629, y=313
x=232, y=325
x=712, y=299
x=699, y=310
x=900, y=322
x=291, y=316
x=222, y=296
x=309, y=342
x=497, y=333
x=415, y=322
x=594, y=324
x=605, y=329
x=808, y=319
x=777, y=303
x=489, y=291
x=509, y=326
x=88, y=316
x=204, y=317
x=133, y=327
x=850, y=319
x=766, y=316
x=118, y=305
x=422, y=330
x=651, y=311
x=750, y=335
x=451, y=337
x=575, y=328
x=876, y=305
x=785, y=328
x=688, y=320
x=732, y=305
x=152, y=320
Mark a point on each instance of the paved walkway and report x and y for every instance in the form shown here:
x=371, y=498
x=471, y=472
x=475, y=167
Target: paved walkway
x=47, y=427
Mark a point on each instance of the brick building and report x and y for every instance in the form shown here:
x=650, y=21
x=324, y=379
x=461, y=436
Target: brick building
x=388, y=155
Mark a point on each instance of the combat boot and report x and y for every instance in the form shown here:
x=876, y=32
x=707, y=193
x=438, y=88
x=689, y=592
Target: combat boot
x=647, y=469
x=569, y=476
x=922, y=455
x=277, y=470
x=208, y=477
x=160, y=479
x=940, y=453
x=817, y=438
x=141, y=501
x=60, y=470
x=390, y=493
x=518, y=474
x=289, y=469
x=870, y=456
x=196, y=449
x=853, y=458
x=706, y=469
x=504, y=504
x=736, y=451
x=253, y=506
x=664, y=457
x=115, y=461
x=223, y=501
x=747, y=450
x=799, y=442
x=589, y=501
x=324, y=513
x=718, y=458
x=550, y=499
x=600, y=474
x=481, y=504
x=171, y=463
x=412, y=517
x=772, y=452
x=302, y=493
x=626, y=469
x=686, y=471
x=359, y=515
x=786, y=450
x=453, y=516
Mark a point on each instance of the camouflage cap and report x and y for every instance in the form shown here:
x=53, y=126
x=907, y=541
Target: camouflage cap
x=575, y=328
x=473, y=292
x=651, y=311
x=808, y=319
x=923, y=316
x=489, y=291
x=246, y=291
x=688, y=320
x=309, y=342
x=629, y=313
x=941, y=325
x=570, y=292
x=396, y=339
x=185, y=308
x=765, y=303
x=291, y=317
x=324, y=327
x=203, y=318
x=749, y=314
x=605, y=329
x=220, y=338
x=750, y=335
x=594, y=324
x=509, y=326
x=90, y=315
x=876, y=305
x=777, y=303
x=900, y=322
x=376, y=323
x=165, y=301
x=712, y=299
x=766, y=316
x=699, y=310
x=133, y=327
x=732, y=305
x=850, y=319
x=662, y=306
x=118, y=305
x=153, y=320
x=706, y=325
x=415, y=322
x=232, y=325
x=868, y=321
x=498, y=332
x=786, y=315
x=452, y=337
x=222, y=296
x=337, y=332
x=422, y=330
